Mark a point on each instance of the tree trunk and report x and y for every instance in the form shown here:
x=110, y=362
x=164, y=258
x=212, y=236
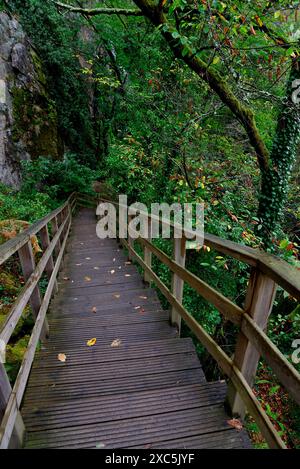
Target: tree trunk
x=275, y=179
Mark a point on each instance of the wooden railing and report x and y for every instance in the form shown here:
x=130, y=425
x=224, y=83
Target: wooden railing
x=12, y=427
x=267, y=273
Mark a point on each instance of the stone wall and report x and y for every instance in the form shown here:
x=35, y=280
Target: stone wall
x=28, y=119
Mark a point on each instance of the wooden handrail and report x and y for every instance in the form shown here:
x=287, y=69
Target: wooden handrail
x=284, y=274
x=12, y=246
x=12, y=398
x=251, y=334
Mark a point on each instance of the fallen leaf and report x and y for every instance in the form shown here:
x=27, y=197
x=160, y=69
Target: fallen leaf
x=112, y=272
x=66, y=278
x=91, y=343
x=94, y=310
x=235, y=423
x=100, y=445
x=116, y=343
x=62, y=357
x=88, y=258
x=117, y=296
x=87, y=279
x=137, y=307
x=142, y=311
x=78, y=265
x=127, y=275
x=128, y=263
x=144, y=297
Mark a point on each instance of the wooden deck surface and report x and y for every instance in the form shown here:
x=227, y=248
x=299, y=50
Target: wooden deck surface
x=148, y=392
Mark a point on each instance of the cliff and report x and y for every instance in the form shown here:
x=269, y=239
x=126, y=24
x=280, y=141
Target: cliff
x=28, y=118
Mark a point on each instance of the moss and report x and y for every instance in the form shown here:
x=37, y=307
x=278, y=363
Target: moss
x=14, y=356
x=38, y=67
x=9, y=283
x=35, y=123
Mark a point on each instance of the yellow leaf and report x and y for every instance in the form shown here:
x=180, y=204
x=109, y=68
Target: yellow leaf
x=87, y=279
x=62, y=357
x=91, y=343
x=216, y=60
x=116, y=343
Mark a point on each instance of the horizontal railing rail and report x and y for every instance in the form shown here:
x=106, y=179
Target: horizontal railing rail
x=267, y=273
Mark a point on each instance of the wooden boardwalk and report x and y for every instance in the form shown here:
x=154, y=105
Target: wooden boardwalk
x=147, y=392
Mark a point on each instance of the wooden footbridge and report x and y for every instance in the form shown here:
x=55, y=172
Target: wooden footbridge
x=105, y=366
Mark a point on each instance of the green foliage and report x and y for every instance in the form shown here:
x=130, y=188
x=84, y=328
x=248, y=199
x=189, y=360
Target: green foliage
x=57, y=179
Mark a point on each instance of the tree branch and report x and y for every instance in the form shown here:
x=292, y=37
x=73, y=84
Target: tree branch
x=212, y=77
x=99, y=11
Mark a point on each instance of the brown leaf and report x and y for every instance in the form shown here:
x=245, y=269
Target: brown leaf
x=117, y=296
x=94, y=310
x=66, y=278
x=87, y=279
x=62, y=357
x=116, y=343
x=235, y=423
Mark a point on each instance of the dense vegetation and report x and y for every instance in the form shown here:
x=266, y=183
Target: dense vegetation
x=191, y=104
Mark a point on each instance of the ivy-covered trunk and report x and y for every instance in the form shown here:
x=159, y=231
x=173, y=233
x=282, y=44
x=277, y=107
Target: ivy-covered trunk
x=275, y=178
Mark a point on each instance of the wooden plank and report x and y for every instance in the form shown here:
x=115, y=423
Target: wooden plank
x=64, y=392
x=136, y=431
x=118, y=407
x=259, y=301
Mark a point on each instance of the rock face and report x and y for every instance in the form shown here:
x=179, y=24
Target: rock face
x=28, y=119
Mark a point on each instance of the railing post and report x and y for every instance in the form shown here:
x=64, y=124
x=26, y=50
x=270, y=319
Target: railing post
x=259, y=302
x=45, y=241
x=54, y=227
x=17, y=437
x=147, y=252
x=130, y=238
x=179, y=255
x=28, y=265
